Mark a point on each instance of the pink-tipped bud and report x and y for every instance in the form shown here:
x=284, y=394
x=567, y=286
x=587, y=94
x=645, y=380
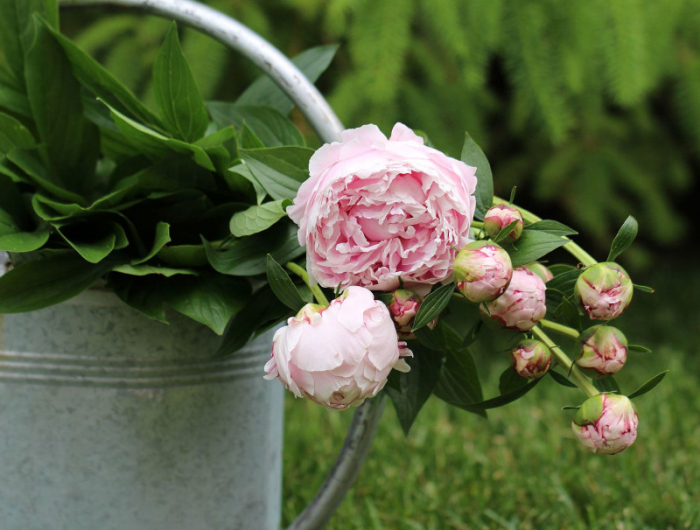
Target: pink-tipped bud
x=604, y=290
x=499, y=216
x=531, y=358
x=606, y=423
x=603, y=351
x=541, y=271
x=522, y=305
x=482, y=271
x=403, y=307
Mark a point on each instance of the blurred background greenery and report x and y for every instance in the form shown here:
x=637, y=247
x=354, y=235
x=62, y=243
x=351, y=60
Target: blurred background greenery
x=593, y=109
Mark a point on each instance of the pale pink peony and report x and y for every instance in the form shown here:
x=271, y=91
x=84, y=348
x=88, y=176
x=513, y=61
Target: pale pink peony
x=531, y=358
x=337, y=355
x=499, y=216
x=522, y=305
x=603, y=351
x=482, y=271
x=403, y=307
x=374, y=210
x=606, y=423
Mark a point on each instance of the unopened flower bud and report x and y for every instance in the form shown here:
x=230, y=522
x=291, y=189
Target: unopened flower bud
x=522, y=305
x=403, y=308
x=531, y=358
x=499, y=216
x=541, y=271
x=482, y=271
x=603, y=351
x=606, y=423
x=604, y=290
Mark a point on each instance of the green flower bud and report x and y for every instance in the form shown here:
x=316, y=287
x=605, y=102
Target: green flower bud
x=499, y=216
x=603, y=351
x=531, y=358
x=606, y=423
x=604, y=290
x=482, y=271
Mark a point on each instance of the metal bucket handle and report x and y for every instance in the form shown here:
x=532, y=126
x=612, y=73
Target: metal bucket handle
x=328, y=127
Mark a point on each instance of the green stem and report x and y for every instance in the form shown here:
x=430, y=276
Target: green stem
x=573, y=249
x=559, y=328
x=315, y=289
x=477, y=224
x=563, y=359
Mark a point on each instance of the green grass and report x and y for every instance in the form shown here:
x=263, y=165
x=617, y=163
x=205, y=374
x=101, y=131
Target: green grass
x=523, y=468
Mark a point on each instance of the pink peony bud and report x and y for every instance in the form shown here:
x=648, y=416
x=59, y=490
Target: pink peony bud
x=604, y=290
x=499, y=216
x=603, y=351
x=541, y=271
x=606, y=423
x=403, y=308
x=482, y=271
x=522, y=305
x=338, y=355
x=532, y=358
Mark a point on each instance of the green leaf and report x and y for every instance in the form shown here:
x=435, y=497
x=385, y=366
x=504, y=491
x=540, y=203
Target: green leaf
x=280, y=170
x=433, y=305
x=649, y=385
x=143, y=294
x=176, y=92
x=271, y=127
x=409, y=391
x=564, y=281
x=561, y=379
x=638, y=348
x=553, y=227
x=93, y=241
x=14, y=101
x=459, y=383
x=607, y=384
x=261, y=310
x=258, y=218
x=505, y=231
x=47, y=281
x=624, y=238
x=162, y=238
x=36, y=173
x=26, y=241
x=474, y=156
x=183, y=255
x=241, y=170
x=102, y=83
x=68, y=145
x=532, y=245
x=568, y=313
x=157, y=146
x=13, y=135
x=17, y=30
x=312, y=63
x=503, y=399
x=250, y=140
x=18, y=232
x=211, y=300
x=644, y=288
x=510, y=381
x=146, y=270
x=248, y=256
x=282, y=285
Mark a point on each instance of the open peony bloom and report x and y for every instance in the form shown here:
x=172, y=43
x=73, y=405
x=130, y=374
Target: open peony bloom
x=482, y=271
x=337, y=355
x=376, y=209
x=606, y=423
x=603, y=351
x=522, y=305
x=531, y=358
x=604, y=290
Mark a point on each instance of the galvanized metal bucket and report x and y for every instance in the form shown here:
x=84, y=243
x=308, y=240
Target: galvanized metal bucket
x=112, y=421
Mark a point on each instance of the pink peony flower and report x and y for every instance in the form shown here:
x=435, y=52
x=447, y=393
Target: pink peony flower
x=603, y=351
x=531, y=358
x=376, y=209
x=337, y=355
x=403, y=307
x=499, y=216
x=522, y=305
x=482, y=271
x=606, y=423
x=604, y=290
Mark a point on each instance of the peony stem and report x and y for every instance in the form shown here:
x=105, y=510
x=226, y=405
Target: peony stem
x=477, y=224
x=573, y=249
x=562, y=358
x=315, y=289
x=559, y=328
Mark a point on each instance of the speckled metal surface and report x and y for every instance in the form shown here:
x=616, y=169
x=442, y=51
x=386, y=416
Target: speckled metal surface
x=112, y=421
